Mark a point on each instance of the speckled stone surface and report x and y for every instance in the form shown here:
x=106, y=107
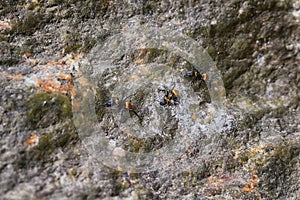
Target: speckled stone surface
x=255, y=45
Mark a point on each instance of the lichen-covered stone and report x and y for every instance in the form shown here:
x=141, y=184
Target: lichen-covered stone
x=254, y=44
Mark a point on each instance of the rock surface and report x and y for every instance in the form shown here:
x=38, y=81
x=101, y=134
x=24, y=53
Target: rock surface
x=255, y=45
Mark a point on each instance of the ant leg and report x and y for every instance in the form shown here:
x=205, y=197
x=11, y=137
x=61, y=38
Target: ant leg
x=134, y=112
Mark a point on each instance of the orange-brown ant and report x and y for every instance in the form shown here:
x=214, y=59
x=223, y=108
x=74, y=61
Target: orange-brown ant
x=129, y=107
x=115, y=103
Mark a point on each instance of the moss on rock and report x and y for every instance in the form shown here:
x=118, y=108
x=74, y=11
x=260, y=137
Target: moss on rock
x=72, y=42
x=45, y=109
x=28, y=24
x=278, y=167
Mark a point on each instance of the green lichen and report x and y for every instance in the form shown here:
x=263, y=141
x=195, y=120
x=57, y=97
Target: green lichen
x=63, y=135
x=45, y=109
x=45, y=143
x=40, y=152
x=4, y=37
x=134, y=145
x=10, y=54
x=241, y=47
x=88, y=43
x=102, y=96
x=25, y=49
x=278, y=167
x=212, y=51
x=153, y=53
x=72, y=42
x=50, y=141
x=232, y=75
x=93, y=8
x=27, y=25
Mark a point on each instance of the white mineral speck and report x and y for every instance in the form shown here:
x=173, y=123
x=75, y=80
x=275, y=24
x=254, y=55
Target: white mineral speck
x=119, y=152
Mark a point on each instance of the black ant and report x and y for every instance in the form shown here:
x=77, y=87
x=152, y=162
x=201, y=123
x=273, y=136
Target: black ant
x=170, y=98
x=111, y=102
x=197, y=75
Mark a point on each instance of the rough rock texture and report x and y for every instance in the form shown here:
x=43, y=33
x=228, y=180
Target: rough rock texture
x=256, y=47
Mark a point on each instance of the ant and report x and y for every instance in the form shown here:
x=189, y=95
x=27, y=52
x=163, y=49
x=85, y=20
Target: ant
x=111, y=102
x=128, y=105
x=170, y=98
x=197, y=75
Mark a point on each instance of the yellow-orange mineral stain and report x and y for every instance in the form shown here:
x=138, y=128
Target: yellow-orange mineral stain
x=34, y=139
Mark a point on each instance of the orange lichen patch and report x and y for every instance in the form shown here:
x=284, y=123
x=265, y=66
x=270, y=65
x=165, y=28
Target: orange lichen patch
x=66, y=77
x=58, y=75
x=217, y=181
x=32, y=140
x=65, y=63
x=250, y=187
x=5, y=25
x=15, y=76
x=61, y=64
x=52, y=86
x=48, y=86
x=62, y=84
x=214, y=185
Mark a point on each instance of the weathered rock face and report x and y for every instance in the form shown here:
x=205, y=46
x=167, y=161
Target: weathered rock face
x=255, y=45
